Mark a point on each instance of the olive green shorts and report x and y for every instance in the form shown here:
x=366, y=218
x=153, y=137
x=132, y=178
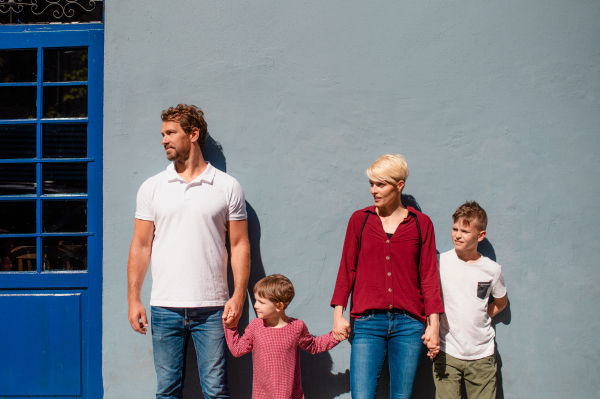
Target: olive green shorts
x=479, y=376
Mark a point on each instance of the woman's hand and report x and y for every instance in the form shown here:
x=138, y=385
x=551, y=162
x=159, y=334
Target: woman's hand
x=431, y=338
x=341, y=327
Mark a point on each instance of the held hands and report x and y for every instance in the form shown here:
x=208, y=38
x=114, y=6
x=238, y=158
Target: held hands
x=341, y=327
x=431, y=338
x=137, y=317
x=233, y=311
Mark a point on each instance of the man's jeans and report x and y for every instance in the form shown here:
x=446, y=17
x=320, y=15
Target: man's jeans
x=169, y=327
x=379, y=332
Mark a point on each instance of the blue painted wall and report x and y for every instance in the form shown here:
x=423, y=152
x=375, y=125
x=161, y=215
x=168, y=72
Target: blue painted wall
x=495, y=101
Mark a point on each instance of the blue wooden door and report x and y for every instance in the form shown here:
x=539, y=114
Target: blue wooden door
x=51, y=211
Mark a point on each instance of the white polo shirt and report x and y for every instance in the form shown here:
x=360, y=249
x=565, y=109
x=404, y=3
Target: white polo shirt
x=189, y=258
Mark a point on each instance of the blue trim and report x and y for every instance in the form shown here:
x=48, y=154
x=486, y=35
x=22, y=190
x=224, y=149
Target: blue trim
x=32, y=121
x=76, y=83
x=86, y=234
x=18, y=84
x=46, y=160
x=89, y=282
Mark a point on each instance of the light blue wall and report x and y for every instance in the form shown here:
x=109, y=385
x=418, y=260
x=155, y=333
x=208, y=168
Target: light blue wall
x=495, y=101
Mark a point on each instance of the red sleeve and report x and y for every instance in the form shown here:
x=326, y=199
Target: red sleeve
x=316, y=344
x=347, y=270
x=239, y=345
x=430, y=277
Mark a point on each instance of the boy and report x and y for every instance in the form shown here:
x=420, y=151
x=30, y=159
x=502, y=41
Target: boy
x=466, y=334
x=275, y=340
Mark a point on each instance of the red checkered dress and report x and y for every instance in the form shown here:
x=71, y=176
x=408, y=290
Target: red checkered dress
x=276, y=355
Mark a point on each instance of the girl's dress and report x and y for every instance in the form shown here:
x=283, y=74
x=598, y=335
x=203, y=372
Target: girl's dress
x=276, y=355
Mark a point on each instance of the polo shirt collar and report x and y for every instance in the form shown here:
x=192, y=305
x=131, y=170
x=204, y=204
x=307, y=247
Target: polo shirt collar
x=207, y=176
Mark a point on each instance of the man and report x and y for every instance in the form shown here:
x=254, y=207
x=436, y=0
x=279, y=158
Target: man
x=182, y=217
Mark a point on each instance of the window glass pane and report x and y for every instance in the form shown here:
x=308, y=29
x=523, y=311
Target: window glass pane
x=65, y=65
x=18, y=102
x=48, y=11
x=17, y=254
x=64, y=178
x=17, y=217
x=17, y=179
x=64, y=140
x=17, y=141
x=18, y=66
x=64, y=216
x=65, y=253
x=65, y=101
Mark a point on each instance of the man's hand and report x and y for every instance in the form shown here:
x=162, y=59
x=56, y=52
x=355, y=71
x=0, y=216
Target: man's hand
x=233, y=311
x=137, y=317
x=341, y=327
x=431, y=338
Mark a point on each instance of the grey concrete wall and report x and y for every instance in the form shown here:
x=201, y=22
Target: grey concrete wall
x=496, y=101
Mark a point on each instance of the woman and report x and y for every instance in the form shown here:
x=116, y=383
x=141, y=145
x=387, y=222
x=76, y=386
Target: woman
x=389, y=263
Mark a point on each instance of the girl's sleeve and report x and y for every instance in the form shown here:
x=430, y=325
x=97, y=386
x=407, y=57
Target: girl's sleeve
x=239, y=345
x=316, y=344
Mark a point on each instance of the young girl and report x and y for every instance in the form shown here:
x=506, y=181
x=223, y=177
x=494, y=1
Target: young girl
x=275, y=339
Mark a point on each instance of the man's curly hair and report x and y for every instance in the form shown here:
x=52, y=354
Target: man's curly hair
x=189, y=117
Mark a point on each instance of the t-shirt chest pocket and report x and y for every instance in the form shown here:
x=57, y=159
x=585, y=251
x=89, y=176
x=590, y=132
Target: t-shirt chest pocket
x=482, y=289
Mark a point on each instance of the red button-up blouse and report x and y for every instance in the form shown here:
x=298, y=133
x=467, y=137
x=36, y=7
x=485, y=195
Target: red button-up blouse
x=387, y=275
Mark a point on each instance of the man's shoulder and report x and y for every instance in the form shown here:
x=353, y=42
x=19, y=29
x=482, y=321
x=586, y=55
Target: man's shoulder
x=152, y=181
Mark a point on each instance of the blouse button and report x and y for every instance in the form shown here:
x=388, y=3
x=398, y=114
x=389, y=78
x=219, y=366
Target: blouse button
x=387, y=257
x=388, y=241
x=389, y=273
x=389, y=289
x=390, y=306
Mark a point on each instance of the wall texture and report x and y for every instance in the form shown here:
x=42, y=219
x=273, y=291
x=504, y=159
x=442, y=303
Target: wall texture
x=495, y=101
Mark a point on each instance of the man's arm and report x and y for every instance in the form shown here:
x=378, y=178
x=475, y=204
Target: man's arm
x=497, y=305
x=240, y=266
x=137, y=266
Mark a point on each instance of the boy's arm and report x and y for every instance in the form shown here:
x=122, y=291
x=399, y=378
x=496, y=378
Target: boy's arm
x=315, y=345
x=497, y=305
x=239, y=346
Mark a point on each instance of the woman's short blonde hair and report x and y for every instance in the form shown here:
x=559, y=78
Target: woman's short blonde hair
x=388, y=168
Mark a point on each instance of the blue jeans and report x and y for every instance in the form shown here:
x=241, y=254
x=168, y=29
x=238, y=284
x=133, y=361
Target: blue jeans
x=375, y=334
x=169, y=328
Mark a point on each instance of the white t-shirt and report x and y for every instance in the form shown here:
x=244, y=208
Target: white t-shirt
x=189, y=258
x=465, y=328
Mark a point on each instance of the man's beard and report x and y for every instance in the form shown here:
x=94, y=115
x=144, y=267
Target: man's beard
x=177, y=155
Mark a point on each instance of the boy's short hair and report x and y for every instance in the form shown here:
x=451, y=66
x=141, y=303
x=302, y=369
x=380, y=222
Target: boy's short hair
x=388, y=168
x=276, y=288
x=471, y=210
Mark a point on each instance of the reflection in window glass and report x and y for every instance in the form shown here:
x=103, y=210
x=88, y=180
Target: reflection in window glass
x=17, y=254
x=17, y=217
x=18, y=66
x=18, y=102
x=64, y=140
x=17, y=179
x=65, y=101
x=65, y=253
x=64, y=178
x=17, y=141
x=64, y=216
x=65, y=65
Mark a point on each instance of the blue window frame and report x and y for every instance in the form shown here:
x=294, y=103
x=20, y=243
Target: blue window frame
x=51, y=199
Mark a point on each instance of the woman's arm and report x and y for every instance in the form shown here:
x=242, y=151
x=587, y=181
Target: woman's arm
x=239, y=345
x=345, y=281
x=315, y=345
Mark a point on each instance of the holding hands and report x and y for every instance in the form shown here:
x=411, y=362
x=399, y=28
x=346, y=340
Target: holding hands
x=431, y=338
x=341, y=327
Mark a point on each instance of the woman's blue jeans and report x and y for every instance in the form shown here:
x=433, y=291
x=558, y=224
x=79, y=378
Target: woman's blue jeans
x=375, y=334
x=169, y=328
